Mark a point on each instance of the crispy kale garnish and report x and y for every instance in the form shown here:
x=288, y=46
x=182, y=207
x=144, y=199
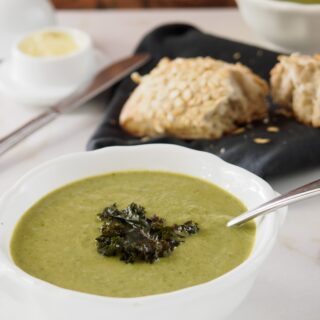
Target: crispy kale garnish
x=133, y=237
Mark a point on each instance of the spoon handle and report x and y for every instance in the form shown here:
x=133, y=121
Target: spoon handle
x=306, y=191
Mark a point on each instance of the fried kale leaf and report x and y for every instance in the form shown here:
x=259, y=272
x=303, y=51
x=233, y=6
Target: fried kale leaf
x=133, y=237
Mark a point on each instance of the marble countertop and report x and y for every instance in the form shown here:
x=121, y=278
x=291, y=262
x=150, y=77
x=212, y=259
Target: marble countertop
x=288, y=286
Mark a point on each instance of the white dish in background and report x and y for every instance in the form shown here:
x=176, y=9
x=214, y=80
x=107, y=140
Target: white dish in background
x=215, y=299
x=290, y=26
x=42, y=81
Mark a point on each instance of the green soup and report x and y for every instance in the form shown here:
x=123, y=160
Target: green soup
x=55, y=239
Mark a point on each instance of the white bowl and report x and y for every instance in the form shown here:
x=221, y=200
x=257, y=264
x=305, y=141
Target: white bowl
x=62, y=71
x=290, y=26
x=44, y=81
x=23, y=294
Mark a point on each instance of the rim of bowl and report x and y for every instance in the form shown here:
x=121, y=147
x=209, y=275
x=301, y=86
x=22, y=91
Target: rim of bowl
x=288, y=5
x=245, y=267
x=76, y=33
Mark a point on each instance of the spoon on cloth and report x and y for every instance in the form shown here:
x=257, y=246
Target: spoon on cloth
x=309, y=190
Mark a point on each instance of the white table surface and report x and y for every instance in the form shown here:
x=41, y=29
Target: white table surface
x=288, y=286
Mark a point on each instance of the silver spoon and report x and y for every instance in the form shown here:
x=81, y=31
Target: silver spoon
x=306, y=191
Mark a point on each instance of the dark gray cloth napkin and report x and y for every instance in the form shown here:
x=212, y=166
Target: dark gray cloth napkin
x=294, y=147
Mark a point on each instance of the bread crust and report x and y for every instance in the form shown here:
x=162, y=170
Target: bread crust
x=295, y=85
x=194, y=98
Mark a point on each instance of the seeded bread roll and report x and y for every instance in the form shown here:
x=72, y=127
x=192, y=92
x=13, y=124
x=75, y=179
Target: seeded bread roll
x=194, y=98
x=295, y=84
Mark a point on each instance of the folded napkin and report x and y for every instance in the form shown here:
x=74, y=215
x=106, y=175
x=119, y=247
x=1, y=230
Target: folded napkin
x=294, y=147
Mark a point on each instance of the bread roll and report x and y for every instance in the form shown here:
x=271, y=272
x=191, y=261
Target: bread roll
x=295, y=84
x=196, y=98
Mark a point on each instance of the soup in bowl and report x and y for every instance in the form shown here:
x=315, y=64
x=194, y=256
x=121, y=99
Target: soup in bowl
x=54, y=267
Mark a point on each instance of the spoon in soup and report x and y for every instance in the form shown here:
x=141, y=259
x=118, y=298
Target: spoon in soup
x=309, y=190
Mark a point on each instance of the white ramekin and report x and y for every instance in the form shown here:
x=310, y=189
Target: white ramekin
x=22, y=294
x=290, y=26
x=54, y=72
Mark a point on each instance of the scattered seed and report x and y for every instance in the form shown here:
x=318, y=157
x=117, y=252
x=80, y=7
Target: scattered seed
x=261, y=140
x=273, y=129
x=239, y=130
x=135, y=77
